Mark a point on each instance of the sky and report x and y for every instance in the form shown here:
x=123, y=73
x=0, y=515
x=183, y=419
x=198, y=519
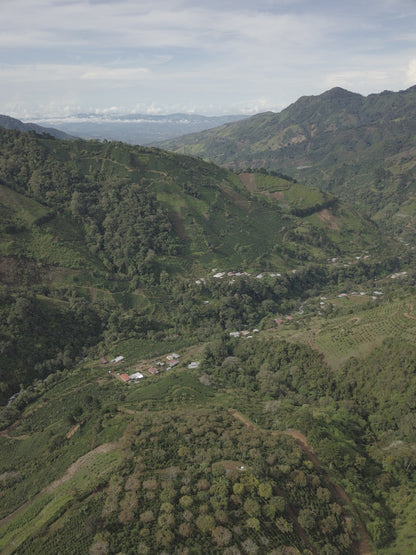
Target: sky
x=212, y=57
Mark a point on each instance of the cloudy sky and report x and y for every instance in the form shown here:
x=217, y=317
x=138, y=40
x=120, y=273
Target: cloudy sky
x=59, y=57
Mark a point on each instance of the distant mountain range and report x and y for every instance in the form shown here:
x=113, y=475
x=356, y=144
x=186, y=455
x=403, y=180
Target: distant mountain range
x=313, y=135
x=142, y=129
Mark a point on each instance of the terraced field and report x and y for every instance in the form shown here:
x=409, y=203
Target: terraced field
x=358, y=334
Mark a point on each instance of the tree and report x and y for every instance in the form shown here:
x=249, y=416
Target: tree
x=265, y=490
x=185, y=530
x=221, y=535
x=166, y=520
x=283, y=525
x=306, y=519
x=147, y=516
x=164, y=537
x=186, y=501
x=251, y=507
x=253, y=523
x=205, y=523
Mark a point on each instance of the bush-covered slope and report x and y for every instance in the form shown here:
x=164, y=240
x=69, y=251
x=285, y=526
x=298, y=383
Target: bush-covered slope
x=87, y=227
x=362, y=148
x=137, y=209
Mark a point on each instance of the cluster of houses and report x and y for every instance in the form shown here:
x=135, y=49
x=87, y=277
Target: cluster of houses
x=398, y=275
x=245, y=333
x=171, y=361
x=334, y=260
x=220, y=275
x=375, y=295
x=261, y=275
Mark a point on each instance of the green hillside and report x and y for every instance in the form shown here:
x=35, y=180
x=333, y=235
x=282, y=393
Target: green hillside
x=126, y=227
x=136, y=209
x=361, y=148
x=201, y=360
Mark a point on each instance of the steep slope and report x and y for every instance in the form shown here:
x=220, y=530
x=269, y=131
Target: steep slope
x=138, y=209
x=6, y=122
x=362, y=148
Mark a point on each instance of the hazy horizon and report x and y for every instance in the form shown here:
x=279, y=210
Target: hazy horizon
x=65, y=57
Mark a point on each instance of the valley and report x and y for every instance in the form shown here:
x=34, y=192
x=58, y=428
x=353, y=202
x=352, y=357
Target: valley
x=201, y=360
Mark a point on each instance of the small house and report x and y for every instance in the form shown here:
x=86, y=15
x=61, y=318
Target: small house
x=136, y=376
x=153, y=371
x=193, y=365
x=124, y=377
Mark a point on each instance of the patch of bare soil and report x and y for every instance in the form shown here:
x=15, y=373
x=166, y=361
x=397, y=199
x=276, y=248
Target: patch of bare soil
x=329, y=219
x=279, y=195
x=247, y=179
x=6, y=435
x=72, y=431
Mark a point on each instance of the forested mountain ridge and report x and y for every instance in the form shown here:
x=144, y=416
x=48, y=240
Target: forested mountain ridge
x=140, y=206
x=203, y=360
x=361, y=148
x=7, y=122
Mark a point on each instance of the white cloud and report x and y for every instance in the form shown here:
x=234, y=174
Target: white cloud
x=191, y=55
x=411, y=73
x=119, y=74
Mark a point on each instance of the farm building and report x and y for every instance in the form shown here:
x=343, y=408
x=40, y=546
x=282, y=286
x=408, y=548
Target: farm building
x=193, y=365
x=136, y=376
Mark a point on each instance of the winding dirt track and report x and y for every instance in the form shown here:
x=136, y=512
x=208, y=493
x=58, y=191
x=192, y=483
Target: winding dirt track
x=364, y=543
